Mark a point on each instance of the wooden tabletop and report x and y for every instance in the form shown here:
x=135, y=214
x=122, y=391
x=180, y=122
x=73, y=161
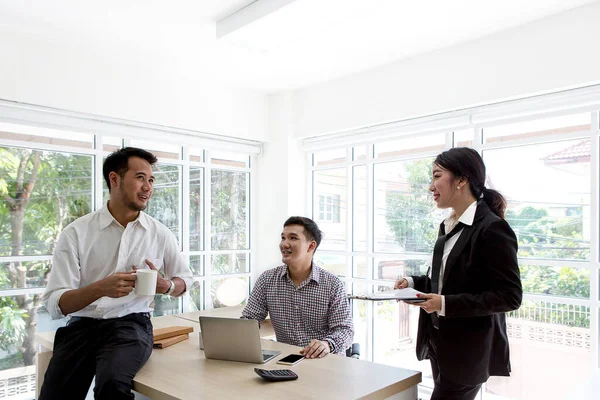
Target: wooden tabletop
x=182, y=372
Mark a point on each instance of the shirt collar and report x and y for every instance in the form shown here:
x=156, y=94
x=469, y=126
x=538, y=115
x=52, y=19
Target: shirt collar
x=466, y=218
x=106, y=218
x=315, y=273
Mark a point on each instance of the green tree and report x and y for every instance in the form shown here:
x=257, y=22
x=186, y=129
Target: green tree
x=41, y=193
x=409, y=209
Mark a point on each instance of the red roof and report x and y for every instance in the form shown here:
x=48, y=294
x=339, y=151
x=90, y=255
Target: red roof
x=579, y=152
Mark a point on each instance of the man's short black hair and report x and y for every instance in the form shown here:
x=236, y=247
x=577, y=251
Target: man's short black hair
x=118, y=161
x=311, y=230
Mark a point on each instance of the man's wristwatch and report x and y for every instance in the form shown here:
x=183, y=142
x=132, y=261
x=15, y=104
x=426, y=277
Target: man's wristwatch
x=331, y=345
x=171, y=288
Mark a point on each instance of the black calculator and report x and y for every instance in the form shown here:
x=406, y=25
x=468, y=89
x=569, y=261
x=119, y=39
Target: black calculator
x=276, y=375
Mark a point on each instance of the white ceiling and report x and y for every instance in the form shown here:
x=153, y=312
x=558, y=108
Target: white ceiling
x=300, y=44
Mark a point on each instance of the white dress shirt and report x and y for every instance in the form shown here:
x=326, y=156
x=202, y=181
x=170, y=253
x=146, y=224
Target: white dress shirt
x=449, y=223
x=96, y=246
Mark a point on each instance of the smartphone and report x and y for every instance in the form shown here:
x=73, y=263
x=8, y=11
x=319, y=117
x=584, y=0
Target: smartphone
x=291, y=359
x=414, y=300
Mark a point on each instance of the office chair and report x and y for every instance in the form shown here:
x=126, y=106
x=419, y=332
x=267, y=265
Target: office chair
x=353, y=351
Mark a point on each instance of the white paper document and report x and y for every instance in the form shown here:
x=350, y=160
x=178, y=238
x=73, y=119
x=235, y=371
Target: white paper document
x=397, y=294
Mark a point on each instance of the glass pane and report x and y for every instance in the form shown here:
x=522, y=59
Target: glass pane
x=538, y=128
x=165, y=204
x=41, y=192
x=411, y=145
x=549, y=342
x=230, y=223
x=160, y=150
x=394, y=336
x=361, y=267
x=332, y=263
x=464, y=137
x=556, y=281
x=330, y=190
x=230, y=159
x=362, y=312
x=406, y=219
x=22, y=274
x=229, y=264
x=392, y=268
x=548, y=194
x=197, y=265
x=19, y=322
x=359, y=214
x=167, y=305
x=196, y=297
x=39, y=135
x=17, y=314
x=329, y=157
x=110, y=143
x=359, y=153
x=196, y=155
x=196, y=209
x=229, y=292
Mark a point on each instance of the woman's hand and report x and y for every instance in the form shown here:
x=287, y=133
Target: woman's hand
x=433, y=303
x=401, y=284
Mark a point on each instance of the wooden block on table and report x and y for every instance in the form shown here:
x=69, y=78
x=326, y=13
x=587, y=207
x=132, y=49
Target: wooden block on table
x=161, y=344
x=165, y=333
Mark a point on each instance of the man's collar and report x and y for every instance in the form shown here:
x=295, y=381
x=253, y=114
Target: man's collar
x=315, y=272
x=106, y=218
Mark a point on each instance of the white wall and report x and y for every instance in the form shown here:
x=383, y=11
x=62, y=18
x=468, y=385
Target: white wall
x=280, y=184
x=68, y=74
x=555, y=53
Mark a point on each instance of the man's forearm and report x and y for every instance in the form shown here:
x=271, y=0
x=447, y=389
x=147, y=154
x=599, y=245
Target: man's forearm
x=77, y=299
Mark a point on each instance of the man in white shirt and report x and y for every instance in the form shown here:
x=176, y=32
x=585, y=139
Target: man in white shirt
x=109, y=333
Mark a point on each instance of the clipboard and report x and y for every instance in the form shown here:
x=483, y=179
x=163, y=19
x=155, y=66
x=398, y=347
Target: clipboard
x=408, y=295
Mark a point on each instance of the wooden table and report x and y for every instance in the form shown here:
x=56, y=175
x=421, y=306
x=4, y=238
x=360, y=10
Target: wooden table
x=182, y=372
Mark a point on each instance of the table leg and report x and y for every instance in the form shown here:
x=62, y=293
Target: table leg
x=41, y=362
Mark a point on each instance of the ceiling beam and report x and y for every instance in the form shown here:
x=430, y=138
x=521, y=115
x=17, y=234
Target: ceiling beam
x=249, y=14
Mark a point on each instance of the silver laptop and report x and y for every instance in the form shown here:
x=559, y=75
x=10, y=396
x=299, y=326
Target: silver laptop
x=233, y=339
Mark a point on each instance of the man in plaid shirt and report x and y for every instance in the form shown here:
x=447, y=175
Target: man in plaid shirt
x=308, y=305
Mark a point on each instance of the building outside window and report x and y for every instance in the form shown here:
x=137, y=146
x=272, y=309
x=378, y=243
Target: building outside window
x=329, y=208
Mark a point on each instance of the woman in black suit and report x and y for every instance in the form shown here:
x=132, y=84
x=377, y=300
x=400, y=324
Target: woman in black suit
x=474, y=281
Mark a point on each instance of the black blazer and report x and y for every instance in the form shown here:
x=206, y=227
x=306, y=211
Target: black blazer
x=481, y=283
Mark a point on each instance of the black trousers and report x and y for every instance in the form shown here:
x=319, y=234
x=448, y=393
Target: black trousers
x=443, y=388
x=111, y=349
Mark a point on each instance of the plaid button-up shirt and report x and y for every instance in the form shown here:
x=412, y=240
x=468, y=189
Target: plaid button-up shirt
x=317, y=309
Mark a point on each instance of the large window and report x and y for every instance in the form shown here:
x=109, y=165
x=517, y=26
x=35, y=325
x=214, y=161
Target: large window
x=545, y=167
x=49, y=178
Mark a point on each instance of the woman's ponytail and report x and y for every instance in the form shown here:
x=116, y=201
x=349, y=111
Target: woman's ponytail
x=495, y=201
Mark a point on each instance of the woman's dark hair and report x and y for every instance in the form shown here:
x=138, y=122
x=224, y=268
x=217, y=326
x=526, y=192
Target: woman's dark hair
x=467, y=163
x=311, y=230
x=118, y=161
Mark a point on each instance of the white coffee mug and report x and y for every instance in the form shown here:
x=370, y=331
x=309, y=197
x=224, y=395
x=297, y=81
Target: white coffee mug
x=145, y=282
